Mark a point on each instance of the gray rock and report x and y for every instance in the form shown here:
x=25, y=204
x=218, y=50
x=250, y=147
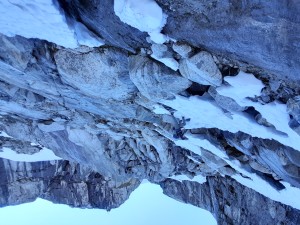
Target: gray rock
x=230, y=202
x=293, y=108
x=61, y=182
x=164, y=55
x=99, y=17
x=155, y=81
x=264, y=34
x=99, y=74
x=84, y=105
x=202, y=69
x=224, y=102
x=184, y=50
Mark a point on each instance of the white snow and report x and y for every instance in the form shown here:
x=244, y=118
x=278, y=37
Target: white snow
x=145, y=15
x=198, y=178
x=205, y=113
x=43, y=155
x=4, y=134
x=285, y=196
x=159, y=109
x=169, y=62
x=43, y=20
x=246, y=85
x=86, y=37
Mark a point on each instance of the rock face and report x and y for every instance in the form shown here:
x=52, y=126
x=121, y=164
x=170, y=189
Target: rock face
x=201, y=69
x=155, y=81
x=112, y=112
x=261, y=33
x=228, y=201
x=60, y=182
x=99, y=17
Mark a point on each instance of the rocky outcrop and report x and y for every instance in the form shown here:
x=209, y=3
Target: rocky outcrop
x=60, y=182
x=201, y=69
x=259, y=33
x=230, y=202
x=99, y=17
x=154, y=81
x=108, y=113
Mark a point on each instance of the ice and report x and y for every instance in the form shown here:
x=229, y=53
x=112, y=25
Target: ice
x=42, y=19
x=43, y=155
x=145, y=15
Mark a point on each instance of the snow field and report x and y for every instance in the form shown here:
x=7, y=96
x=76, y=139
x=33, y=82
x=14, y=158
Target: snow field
x=43, y=20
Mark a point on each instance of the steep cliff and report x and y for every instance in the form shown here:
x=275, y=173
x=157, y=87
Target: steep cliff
x=212, y=115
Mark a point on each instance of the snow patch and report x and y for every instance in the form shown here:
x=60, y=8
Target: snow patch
x=44, y=155
x=158, y=109
x=43, y=20
x=4, y=134
x=205, y=113
x=169, y=62
x=246, y=85
x=285, y=196
x=145, y=15
x=86, y=37
x=198, y=178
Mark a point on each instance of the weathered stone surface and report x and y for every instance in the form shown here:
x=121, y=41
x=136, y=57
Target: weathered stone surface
x=268, y=154
x=101, y=73
x=99, y=16
x=84, y=105
x=264, y=34
x=226, y=103
x=183, y=50
x=230, y=202
x=61, y=182
x=163, y=54
x=293, y=108
x=155, y=81
x=202, y=69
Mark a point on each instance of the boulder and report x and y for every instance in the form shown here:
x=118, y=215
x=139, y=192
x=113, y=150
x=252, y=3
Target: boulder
x=202, y=69
x=161, y=53
x=293, y=107
x=183, y=50
x=155, y=81
x=99, y=74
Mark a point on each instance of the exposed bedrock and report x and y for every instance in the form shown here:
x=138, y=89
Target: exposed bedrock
x=105, y=110
x=261, y=33
x=99, y=17
x=230, y=202
x=60, y=182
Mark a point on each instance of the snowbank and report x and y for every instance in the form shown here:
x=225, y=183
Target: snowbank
x=145, y=15
x=285, y=196
x=43, y=155
x=205, y=113
x=43, y=20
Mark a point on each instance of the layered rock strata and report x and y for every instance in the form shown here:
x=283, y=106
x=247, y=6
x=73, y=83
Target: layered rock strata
x=104, y=110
